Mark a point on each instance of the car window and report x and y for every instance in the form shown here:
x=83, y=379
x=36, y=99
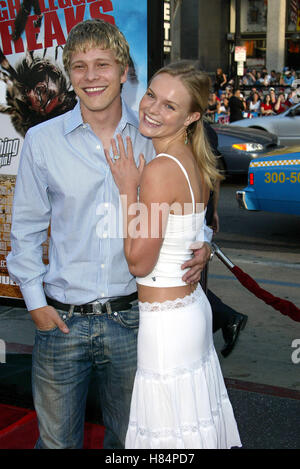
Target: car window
x=295, y=111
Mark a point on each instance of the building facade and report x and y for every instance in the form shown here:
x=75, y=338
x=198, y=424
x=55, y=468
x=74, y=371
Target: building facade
x=209, y=31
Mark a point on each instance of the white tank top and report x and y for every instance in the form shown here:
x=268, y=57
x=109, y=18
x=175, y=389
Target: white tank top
x=181, y=232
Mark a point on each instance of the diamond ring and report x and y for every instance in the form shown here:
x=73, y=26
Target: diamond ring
x=116, y=157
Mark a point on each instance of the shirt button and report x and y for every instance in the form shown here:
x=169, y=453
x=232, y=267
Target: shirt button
x=84, y=126
x=102, y=266
x=102, y=295
x=98, y=147
x=105, y=235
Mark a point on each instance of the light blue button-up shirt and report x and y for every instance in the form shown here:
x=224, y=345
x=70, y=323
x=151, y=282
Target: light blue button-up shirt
x=64, y=180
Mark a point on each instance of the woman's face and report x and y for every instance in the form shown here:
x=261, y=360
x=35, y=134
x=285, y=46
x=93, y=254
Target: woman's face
x=165, y=108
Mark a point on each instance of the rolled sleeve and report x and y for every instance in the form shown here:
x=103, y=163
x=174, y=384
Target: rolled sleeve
x=34, y=296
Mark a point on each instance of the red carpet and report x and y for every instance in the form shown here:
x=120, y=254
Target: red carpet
x=19, y=430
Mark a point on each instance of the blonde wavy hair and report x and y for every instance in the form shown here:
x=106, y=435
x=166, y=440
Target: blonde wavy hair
x=198, y=85
x=96, y=33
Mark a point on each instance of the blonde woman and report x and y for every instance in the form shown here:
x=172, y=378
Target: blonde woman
x=179, y=398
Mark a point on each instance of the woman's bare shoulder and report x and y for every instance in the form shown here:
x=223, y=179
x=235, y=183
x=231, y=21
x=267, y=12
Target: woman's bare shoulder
x=159, y=167
x=156, y=179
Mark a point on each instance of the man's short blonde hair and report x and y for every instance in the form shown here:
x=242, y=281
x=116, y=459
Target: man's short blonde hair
x=96, y=33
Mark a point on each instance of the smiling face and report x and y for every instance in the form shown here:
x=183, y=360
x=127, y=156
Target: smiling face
x=165, y=108
x=96, y=78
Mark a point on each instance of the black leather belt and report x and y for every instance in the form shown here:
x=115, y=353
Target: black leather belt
x=95, y=307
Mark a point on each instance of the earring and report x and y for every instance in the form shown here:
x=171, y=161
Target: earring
x=186, y=140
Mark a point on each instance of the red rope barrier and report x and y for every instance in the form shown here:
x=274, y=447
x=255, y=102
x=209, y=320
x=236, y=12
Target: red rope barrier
x=284, y=306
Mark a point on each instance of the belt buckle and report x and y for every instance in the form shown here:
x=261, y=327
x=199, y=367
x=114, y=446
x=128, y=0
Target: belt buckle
x=97, y=308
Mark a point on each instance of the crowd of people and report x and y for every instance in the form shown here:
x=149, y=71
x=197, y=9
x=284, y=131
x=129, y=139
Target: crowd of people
x=260, y=93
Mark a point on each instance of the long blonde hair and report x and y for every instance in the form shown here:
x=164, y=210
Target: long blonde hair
x=198, y=85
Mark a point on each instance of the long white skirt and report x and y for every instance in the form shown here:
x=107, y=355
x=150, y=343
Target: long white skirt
x=179, y=399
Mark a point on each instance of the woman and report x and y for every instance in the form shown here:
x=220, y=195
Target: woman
x=224, y=108
x=220, y=80
x=273, y=97
x=212, y=108
x=280, y=104
x=179, y=398
x=259, y=79
x=266, y=107
x=223, y=111
x=254, y=104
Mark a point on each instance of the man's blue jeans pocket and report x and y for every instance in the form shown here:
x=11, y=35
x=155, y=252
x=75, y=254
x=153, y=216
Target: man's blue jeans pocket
x=62, y=366
x=128, y=318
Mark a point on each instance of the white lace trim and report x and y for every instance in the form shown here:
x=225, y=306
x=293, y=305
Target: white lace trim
x=170, y=304
x=175, y=372
x=177, y=433
x=170, y=433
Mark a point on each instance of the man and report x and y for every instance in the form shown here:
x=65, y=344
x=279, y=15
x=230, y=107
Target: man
x=280, y=105
x=290, y=100
x=224, y=317
x=273, y=77
x=236, y=107
x=288, y=78
x=84, y=302
x=273, y=97
x=266, y=76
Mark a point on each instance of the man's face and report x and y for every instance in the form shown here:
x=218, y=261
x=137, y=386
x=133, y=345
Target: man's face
x=96, y=78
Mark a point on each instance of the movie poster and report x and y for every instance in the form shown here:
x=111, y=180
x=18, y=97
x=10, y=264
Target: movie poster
x=32, y=37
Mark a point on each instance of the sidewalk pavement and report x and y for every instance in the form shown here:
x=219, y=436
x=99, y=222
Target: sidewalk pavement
x=267, y=415
x=268, y=351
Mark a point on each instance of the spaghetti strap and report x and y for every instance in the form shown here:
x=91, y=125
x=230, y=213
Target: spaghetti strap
x=184, y=172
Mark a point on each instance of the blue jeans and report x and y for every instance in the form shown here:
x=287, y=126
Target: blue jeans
x=62, y=365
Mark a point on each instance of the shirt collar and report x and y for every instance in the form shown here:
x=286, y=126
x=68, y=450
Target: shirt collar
x=128, y=116
x=74, y=118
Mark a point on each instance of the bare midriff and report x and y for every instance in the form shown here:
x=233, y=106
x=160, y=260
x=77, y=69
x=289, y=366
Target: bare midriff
x=156, y=294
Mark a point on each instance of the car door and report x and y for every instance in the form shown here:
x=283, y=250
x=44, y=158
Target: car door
x=276, y=182
x=289, y=126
